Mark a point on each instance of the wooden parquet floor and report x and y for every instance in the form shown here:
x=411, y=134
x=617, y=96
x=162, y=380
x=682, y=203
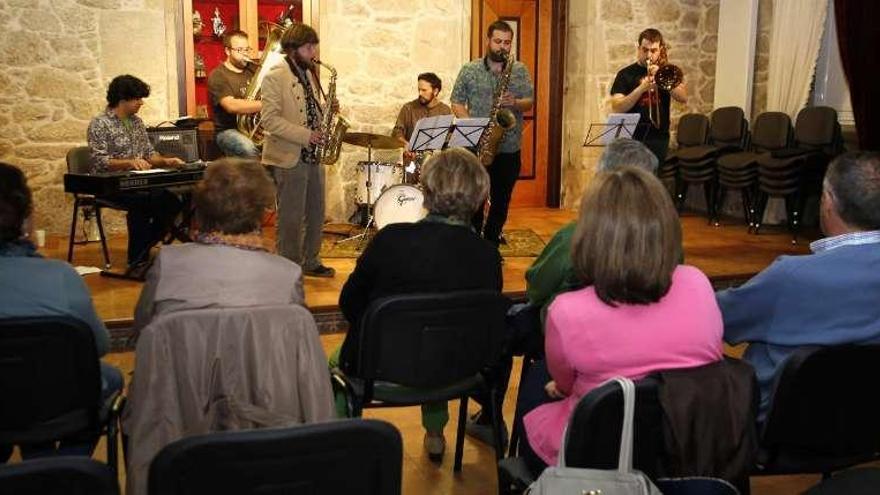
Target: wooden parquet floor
x=724, y=253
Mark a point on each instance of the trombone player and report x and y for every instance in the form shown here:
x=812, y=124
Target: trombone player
x=228, y=85
x=636, y=91
x=292, y=115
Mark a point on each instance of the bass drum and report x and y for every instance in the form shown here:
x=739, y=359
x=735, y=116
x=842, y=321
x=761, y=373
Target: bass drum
x=399, y=204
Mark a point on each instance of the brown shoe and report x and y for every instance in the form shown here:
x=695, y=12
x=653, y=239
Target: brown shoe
x=435, y=445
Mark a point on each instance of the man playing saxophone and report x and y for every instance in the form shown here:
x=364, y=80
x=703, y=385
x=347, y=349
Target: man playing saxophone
x=227, y=86
x=291, y=119
x=474, y=96
x=634, y=89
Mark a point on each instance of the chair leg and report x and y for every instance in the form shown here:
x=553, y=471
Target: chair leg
x=103, y=237
x=720, y=196
x=681, y=194
x=72, y=229
x=762, y=200
x=747, y=205
x=459, y=434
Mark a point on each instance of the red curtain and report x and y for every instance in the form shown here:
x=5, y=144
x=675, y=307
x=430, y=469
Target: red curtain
x=858, y=36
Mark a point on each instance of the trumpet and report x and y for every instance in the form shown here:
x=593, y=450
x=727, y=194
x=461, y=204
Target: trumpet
x=667, y=78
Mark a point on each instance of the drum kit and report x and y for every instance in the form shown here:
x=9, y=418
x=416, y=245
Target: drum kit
x=387, y=192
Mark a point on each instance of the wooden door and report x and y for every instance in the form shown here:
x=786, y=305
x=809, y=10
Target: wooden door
x=532, y=22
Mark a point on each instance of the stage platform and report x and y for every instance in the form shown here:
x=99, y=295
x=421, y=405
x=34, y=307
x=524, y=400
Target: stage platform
x=727, y=254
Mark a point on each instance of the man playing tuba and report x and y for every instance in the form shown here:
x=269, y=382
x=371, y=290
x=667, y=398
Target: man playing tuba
x=292, y=117
x=227, y=86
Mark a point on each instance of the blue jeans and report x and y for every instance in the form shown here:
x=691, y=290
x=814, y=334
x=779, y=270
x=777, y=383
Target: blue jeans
x=77, y=444
x=233, y=143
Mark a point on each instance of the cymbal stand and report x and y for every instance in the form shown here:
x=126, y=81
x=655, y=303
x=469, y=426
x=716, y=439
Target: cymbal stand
x=370, y=218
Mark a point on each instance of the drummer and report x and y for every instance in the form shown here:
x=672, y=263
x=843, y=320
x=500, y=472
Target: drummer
x=426, y=105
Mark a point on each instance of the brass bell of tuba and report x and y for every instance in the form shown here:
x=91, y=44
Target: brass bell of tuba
x=249, y=124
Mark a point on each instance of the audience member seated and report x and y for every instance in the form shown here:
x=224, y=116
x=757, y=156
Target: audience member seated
x=439, y=253
x=829, y=297
x=227, y=265
x=31, y=285
x=640, y=311
x=118, y=141
x=552, y=273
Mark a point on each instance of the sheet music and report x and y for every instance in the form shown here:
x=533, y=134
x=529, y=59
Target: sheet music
x=430, y=133
x=467, y=132
x=148, y=171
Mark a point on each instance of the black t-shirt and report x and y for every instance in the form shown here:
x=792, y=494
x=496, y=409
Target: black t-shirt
x=222, y=83
x=625, y=82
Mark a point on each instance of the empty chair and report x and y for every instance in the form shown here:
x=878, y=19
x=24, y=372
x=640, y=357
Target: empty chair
x=796, y=172
x=423, y=348
x=337, y=457
x=58, y=476
x=692, y=130
x=729, y=133
x=824, y=410
x=79, y=162
x=739, y=171
x=50, y=381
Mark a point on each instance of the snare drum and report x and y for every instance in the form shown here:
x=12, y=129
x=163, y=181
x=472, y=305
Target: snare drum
x=399, y=204
x=380, y=175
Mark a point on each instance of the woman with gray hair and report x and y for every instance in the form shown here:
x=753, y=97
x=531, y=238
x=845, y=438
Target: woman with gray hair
x=438, y=254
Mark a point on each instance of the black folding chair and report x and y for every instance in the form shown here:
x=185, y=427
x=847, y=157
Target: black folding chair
x=50, y=381
x=823, y=415
x=58, y=476
x=333, y=458
x=422, y=348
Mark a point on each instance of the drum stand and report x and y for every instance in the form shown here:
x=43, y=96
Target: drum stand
x=370, y=218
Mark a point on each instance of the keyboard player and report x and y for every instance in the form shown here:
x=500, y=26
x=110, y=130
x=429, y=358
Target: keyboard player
x=118, y=141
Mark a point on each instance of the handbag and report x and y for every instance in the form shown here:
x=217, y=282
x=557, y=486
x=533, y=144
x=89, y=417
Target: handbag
x=559, y=479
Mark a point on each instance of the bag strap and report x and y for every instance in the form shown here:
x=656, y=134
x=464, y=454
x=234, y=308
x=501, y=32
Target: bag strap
x=624, y=462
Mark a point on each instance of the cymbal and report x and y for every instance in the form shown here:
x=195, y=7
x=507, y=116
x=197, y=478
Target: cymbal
x=369, y=140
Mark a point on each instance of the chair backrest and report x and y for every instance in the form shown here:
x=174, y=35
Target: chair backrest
x=729, y=127
x=338, y=457
x=58, y=476
x=431, y=340
x=596, y=423
x=817, y=127
x=772, y=131
x=693, y=129
x=50, y=380
x=79, y=160
x=825, y=403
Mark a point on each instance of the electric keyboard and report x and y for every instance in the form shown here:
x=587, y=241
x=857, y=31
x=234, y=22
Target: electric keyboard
x=103, y=184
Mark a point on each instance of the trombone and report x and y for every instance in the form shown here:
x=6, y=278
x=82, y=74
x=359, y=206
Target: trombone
x=667, y=78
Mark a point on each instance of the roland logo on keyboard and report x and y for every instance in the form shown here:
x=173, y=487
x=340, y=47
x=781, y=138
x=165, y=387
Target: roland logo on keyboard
x=169, y=137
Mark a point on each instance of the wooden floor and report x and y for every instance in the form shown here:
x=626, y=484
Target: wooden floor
x=724, y=253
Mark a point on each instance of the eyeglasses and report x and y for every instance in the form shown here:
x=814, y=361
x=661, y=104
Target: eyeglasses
x=242, y=51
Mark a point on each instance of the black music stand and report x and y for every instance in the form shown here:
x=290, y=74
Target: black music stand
x=619, y=125
x=466, y=132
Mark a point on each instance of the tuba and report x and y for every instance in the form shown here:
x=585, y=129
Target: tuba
x=500, y=119
x=249, y=124
x=667, y=78
x=333, y=125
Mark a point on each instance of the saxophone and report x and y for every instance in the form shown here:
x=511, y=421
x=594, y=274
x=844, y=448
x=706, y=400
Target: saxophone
x=333, y=125
x=500, y=119
x=249, y=124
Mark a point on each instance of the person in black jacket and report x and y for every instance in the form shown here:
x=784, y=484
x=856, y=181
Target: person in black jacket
x=439, y=253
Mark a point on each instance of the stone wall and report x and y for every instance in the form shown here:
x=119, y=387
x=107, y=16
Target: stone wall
x=56, y=60
x=378, y=48
x=762, y=57
x=601, y=40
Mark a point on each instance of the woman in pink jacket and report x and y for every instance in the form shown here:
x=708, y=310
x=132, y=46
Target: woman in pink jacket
x=641, y=310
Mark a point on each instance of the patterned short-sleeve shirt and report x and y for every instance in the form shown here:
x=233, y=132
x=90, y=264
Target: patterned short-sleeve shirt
x=475, y=87
x=109, y=137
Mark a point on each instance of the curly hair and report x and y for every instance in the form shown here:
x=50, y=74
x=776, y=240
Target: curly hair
x=432, y=79
x=15, y=202
x=126, y=87
x=233, y=196
x=455, y=184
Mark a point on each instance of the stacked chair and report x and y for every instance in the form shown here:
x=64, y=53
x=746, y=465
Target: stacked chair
x=739, y=171
x=693, y=130
x=796, y=172
x=728, y=133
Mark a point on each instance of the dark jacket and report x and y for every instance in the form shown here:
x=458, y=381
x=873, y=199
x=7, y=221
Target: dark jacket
x=415, y=257
x=709, y=424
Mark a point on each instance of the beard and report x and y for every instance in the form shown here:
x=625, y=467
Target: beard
x=498, y=56
x=425, y=101
x=239, y=64
x=303, y=62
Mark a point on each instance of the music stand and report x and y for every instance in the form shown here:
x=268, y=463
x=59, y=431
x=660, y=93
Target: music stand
x=618, y=125
x=466, y=132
